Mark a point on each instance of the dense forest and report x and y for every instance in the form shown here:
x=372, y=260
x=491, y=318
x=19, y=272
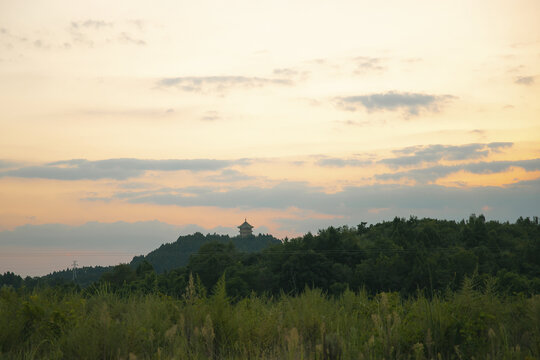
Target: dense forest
x=406, y=288
x=402, y=256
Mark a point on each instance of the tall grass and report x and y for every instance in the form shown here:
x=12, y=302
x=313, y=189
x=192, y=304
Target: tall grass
x=469, y=323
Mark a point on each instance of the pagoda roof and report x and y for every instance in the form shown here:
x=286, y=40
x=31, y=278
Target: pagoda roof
x=245, y=225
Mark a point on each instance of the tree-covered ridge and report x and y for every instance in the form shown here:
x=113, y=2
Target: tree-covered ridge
x=176, y=254
x=403, y=255
x=400, y=255
x=85, y=276
x=165, y=258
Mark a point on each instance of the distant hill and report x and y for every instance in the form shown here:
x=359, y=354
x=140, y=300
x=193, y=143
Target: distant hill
x=176, y=254
x=166, y=257
x=85, y=276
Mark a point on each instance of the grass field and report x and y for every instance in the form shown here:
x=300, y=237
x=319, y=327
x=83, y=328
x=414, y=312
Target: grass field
x=473, y=322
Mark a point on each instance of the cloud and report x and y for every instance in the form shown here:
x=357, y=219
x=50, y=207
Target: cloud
x=355, y=123
x=229, y=175
x=411, y=103
x=497, y=146
x=127, y=38
x=524, y=80
x=211, y=116
x=91, y=32
x=433, y=173
x=416, y=155
x=366, y=64
x=138, y=23
x=8, y=34
x=218, y=83
x=412, y=60
x=286, y=72
x=292, y=74
x=119, y=169
x=93, y=24
x=6, y=164
x=358, y=202
x=338, y=162
x=281, y=196
x=144, y=113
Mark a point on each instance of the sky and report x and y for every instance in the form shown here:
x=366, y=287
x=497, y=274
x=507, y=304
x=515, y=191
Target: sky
x=125, y=124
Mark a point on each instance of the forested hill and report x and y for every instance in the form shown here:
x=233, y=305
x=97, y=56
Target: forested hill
x=404, y=255
x=176, y=254
x=86, y=275
x=166, y=257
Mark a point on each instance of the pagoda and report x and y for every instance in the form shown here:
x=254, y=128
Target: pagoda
x=245, y=229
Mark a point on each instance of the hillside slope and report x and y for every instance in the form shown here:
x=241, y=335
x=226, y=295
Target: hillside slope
x=176, y=254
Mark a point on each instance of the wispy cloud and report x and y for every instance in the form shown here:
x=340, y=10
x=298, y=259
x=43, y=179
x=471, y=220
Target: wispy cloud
x=410, y=103
x=366, y=64
x=119, y=169
x=93, y=24
x=340, y=162
x=6, y=164
x=219, y=83
x=138, y=23
x=127, y=112
x=416, y=155
x=229, y=176
x=82, y=32
x=92, y=32
x=129, y=39
x=4, y=32
x=524, y=80
x=286, y=72
x=292, y=74
x=432, y=173
x=211, y=116
x=498, y=146
x=356, y=201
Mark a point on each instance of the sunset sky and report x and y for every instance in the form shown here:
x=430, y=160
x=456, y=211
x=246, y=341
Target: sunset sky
x=124, y=124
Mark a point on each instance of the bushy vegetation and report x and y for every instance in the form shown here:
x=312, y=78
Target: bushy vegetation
x=101, y=324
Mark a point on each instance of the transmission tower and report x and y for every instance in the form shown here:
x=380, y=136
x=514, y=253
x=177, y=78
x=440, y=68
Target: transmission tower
x=74, y=265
